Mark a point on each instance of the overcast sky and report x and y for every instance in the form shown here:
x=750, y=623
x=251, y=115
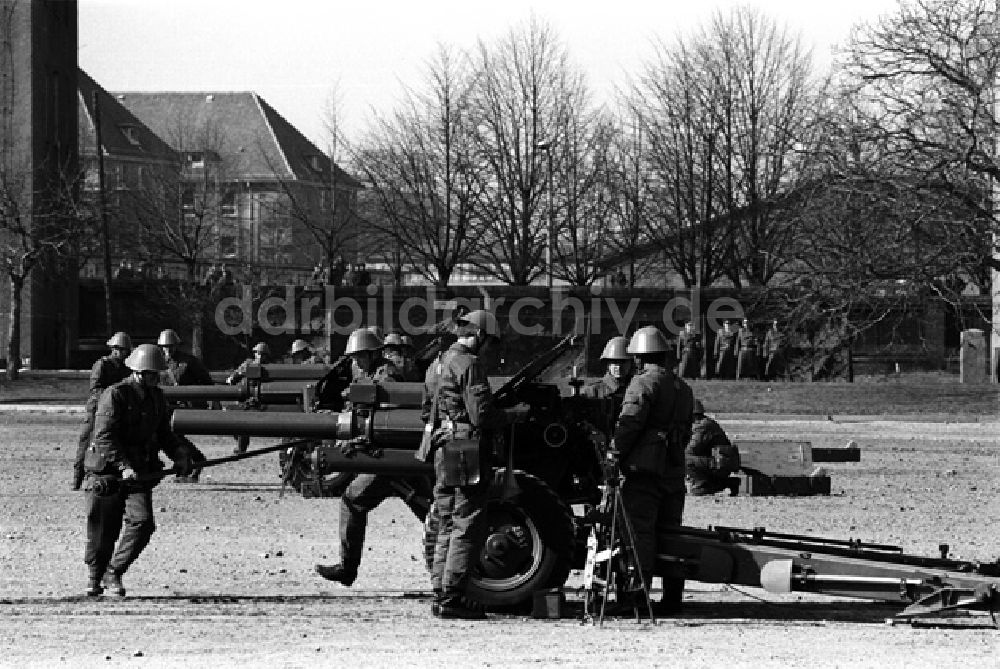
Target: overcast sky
x=293, y=52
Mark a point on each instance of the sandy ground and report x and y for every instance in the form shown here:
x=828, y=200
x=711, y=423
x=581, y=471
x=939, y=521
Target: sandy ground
x=228, y=581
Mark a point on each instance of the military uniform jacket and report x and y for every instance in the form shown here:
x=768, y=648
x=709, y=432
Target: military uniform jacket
x=655, y=423
x=774, y=341
x=106, y=372
x=465, y=391
x=688, y=341
x=746, y=340
x=183, y=369
x=131, y=425
x=705, y=435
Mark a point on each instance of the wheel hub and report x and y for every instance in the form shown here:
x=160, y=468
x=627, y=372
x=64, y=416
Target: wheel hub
x=505, y=551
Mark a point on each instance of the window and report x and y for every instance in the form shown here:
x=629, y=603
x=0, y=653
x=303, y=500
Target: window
x=228, y=204
x=118, y=177
x=196, y=159
x=315, y=163
x=227, y=246
x=187, y=202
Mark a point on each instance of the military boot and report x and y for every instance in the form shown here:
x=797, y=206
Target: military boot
x=94, y=587
x=338, y=573
x=461, y=609
x=113, y=584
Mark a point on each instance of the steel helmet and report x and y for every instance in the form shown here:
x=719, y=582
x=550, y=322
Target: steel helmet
x=168, y=338
x=146, y=358
x=407, y=340
x=648, y=340
x=480, y=319
x=262, y=348
x=616, y=349
x=362, y=339
x=300, y=345
x=393, y=339
x=698, y=407
x=119, y=340
x=375, y=330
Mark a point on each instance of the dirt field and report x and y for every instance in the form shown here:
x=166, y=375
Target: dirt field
x=227, y=579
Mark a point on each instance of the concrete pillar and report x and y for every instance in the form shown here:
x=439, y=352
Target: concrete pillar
x=973, y=357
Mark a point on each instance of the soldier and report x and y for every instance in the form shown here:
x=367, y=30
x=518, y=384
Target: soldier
x=393, y=350
x=131, y=427
x=689, y=352
x=260, y=354
x=774, y=349
x=367, y=491
x=106, y=372
x=710, y=457
x=302, y=353
x=184, y=369
x=652, y=431
x=725, y=351
x=457, y=402
x=616, y=378
x=746, y=352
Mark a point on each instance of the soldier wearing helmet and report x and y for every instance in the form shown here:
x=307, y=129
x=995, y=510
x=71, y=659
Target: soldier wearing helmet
x=652, y=431
x=459, y=408
x=725, y=351
x=107, y=371
x=184, y=369
x=394, y=351
x=131, y=427
x=711, y=459
x=260, y=354
x=367, y=491
x=302, y=353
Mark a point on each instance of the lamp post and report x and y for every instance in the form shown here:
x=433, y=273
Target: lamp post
x=546, y=146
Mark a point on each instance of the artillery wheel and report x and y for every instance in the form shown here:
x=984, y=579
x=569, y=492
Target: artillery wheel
x=528, y=544
x=303, y=479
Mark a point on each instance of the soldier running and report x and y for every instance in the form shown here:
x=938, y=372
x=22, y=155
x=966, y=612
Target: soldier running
x=106, y=372
x=367, y=491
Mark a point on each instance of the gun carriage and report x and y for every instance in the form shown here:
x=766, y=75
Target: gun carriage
x=549, y=466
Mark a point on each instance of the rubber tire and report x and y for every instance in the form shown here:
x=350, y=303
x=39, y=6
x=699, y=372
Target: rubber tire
x=549, y=522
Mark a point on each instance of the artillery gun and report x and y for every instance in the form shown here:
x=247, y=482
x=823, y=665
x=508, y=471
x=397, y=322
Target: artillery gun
x=554, y=450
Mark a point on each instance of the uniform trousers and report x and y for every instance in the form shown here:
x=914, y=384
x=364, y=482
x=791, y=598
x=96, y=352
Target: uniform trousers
x=460, y=536
x=365, y=493
x=653, y=505
x=106, y=517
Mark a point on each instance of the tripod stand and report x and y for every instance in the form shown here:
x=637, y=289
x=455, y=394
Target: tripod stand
x=612, y=572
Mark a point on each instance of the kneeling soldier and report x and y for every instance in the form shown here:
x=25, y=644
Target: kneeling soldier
x=131, y=426
x=711, y=458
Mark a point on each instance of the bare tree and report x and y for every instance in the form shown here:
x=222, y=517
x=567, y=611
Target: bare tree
x=425, y=173
x=39, y=225
x=723, y=110
x=526, y=92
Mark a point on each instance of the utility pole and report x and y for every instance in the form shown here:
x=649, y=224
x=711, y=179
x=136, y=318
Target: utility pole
x=103, y=209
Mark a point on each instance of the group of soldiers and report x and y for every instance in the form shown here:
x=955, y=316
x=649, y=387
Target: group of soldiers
x=738, y=352
x=661, y=435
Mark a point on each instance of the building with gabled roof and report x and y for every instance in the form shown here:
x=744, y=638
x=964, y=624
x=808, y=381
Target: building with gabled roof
x=272, y=182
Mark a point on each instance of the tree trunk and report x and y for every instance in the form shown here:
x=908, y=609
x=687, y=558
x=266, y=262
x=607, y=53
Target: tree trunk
x=14, y=332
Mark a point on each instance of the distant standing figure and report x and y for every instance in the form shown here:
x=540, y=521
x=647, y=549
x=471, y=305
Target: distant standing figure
x=746, y=353
x=725, y=352
x=184, y=369
x=774, y=348
x=689, y=351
